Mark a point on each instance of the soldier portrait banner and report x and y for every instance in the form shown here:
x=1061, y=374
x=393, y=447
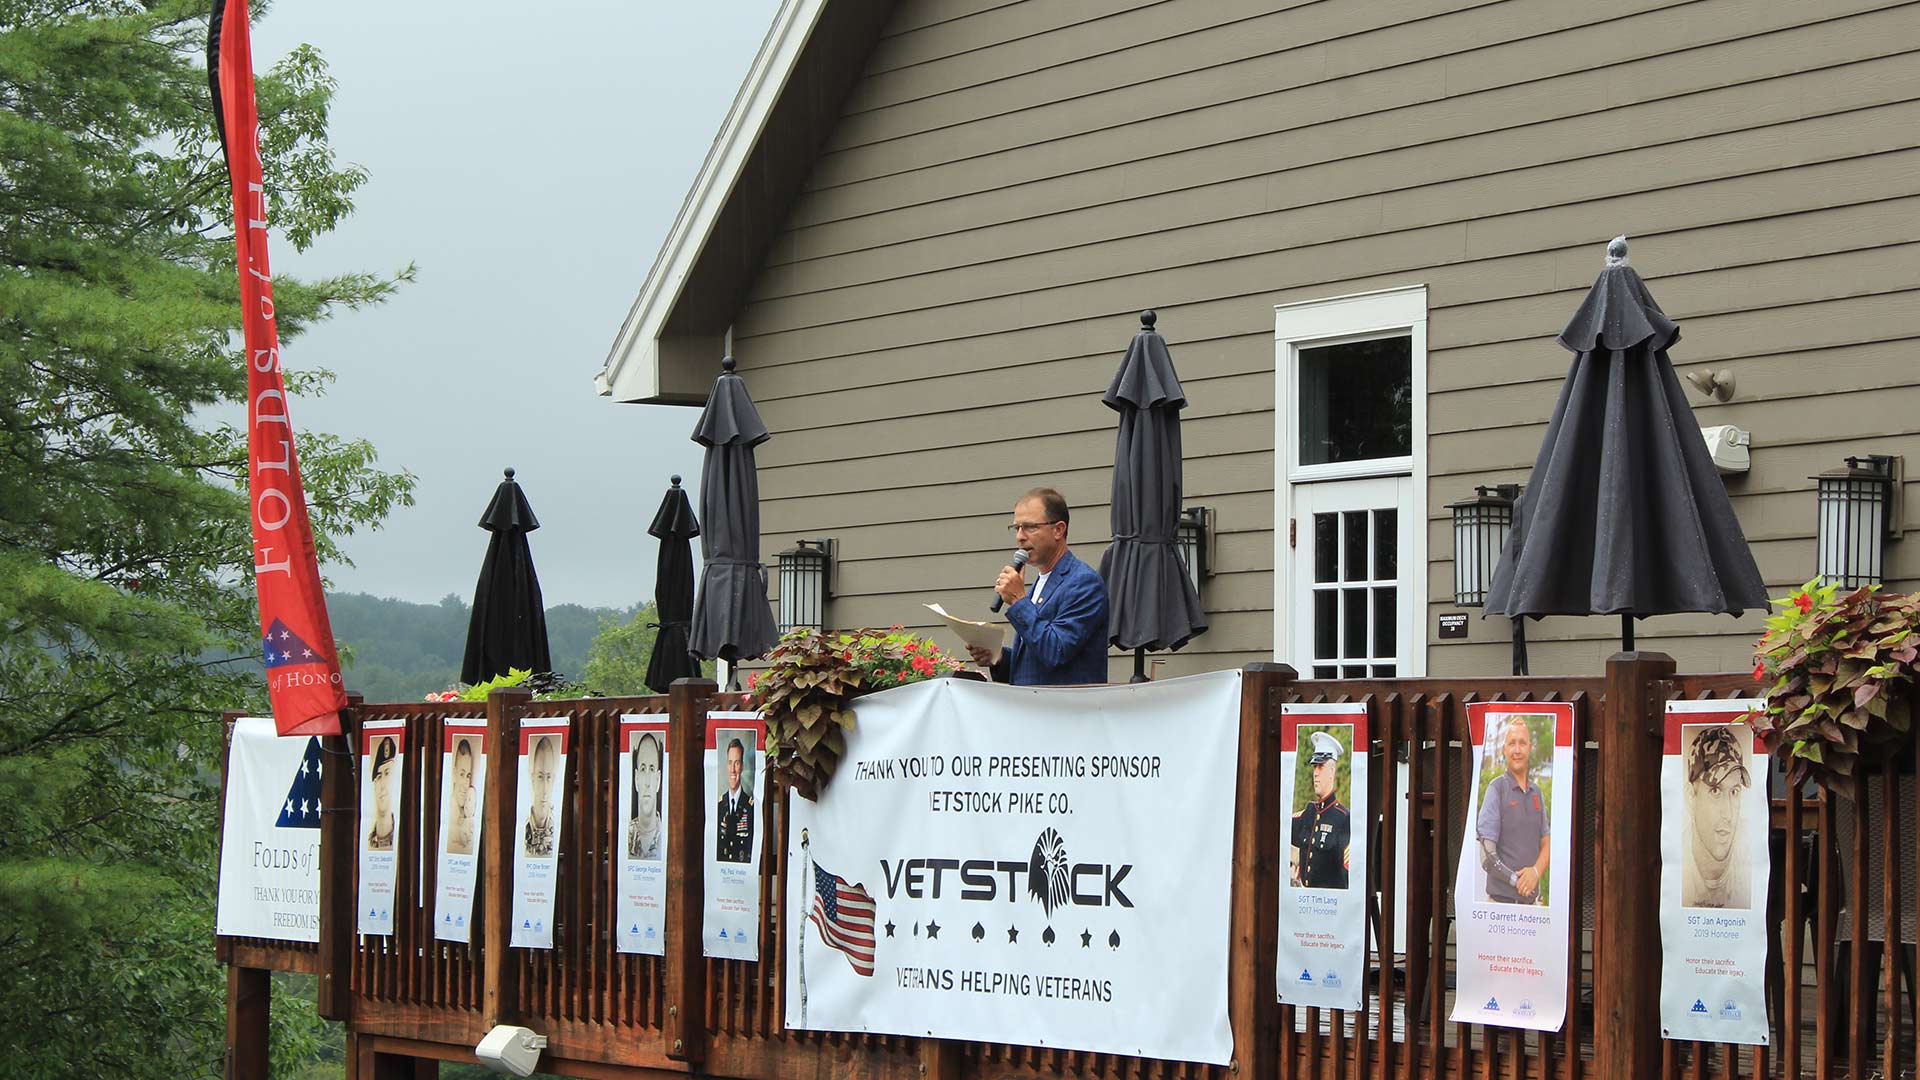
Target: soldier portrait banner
x=538, y=816
x=642, y=898
x=382, y=775
x=1032, y=865
x=1510, y=894
x=1323, y=889
x=270, y=837
x=1714, y=873
x=463, y=791
x=736, y=746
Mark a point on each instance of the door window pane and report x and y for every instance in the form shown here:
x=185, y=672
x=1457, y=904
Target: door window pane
x=1356, y=629
x=1383, y=622
x=1353, y=671
x=1325, y=671
x=1354, y=565
x=1386, y=545
x=1383, y=671
x=1356, y=401
x=1326, y=546
x=1326, y=625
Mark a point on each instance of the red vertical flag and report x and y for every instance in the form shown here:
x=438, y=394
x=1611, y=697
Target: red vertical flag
x=303, y=673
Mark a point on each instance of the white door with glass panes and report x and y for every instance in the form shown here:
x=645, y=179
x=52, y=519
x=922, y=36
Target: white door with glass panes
x=1350, y=537
x=1351, y=615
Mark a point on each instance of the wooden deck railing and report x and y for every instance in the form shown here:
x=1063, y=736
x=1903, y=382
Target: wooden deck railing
x=1842, y=1001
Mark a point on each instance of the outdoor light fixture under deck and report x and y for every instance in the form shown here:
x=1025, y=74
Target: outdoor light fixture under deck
x=1858, y=512
x=1480, y=528
x=805, y=584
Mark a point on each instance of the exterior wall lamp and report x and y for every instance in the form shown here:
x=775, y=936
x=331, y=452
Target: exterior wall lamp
x=1480, y=528
x=805, y=584
x=1194, y=539
x=1858, y=511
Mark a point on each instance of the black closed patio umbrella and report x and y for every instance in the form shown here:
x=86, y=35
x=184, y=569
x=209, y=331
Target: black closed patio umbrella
x=732, y=620
x=674, y=526
x=508, y=628
x=1151, y=602
x=1624, y=513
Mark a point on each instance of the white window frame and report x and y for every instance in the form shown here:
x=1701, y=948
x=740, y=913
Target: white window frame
x=1309, y=324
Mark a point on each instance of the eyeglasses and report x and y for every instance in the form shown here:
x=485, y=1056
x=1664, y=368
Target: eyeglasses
x=1020, y=527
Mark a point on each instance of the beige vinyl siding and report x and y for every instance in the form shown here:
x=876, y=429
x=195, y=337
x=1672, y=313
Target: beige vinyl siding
x=1011, y=183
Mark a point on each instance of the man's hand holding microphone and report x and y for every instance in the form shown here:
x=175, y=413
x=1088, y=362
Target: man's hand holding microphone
x=1011, y=586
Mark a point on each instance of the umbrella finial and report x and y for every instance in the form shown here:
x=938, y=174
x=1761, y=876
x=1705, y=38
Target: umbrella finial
x=676, y=479
x=1147, y=319
x=728, y=363
x=1617, y=251
x=509, y=471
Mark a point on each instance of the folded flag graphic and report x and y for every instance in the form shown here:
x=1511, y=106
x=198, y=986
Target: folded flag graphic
x=844, y=914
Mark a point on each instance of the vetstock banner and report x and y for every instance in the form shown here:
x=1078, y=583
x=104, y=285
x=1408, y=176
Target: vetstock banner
x=642, y=898
x=1510, y=893
x=1040, y=866
x=463, y=796
x=1323, y=893
x=303, y=672
x=1713, y=875
x=383, y=770
x=270, y=839
x=537, y=818
x=736, y=744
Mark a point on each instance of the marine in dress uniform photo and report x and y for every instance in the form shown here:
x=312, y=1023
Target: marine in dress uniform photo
x=733, y=835
x=1323, y=829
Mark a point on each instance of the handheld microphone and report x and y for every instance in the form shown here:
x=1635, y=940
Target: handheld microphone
x=1019, y=560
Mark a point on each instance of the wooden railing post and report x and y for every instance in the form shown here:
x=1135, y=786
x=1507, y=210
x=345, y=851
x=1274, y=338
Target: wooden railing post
x=249, y=1001
x=686, y=970
x=1626, y=947
x=498, y=970
x=339, y=830
x=1251, y=1004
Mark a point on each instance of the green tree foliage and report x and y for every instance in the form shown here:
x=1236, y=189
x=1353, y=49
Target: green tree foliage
x=125, y=561
x=400, y=650
x=618, y=656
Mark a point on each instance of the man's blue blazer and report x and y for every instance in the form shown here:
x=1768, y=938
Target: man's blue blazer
x=1062, y=640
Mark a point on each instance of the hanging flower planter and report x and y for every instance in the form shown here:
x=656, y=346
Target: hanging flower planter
x=807, y=694
x=1840, y=677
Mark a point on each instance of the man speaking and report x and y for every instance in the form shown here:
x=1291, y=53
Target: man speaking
x=1060, y=629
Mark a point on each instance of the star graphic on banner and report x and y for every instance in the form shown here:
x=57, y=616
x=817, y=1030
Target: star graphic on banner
x=1086, y=939
x=286, y=656
x=284, y=635
x=933, y=930
x=303, y=807
x=290, y=807
x=303, y=767
x=308, y=653
x=889, y=927
x=1013, y=933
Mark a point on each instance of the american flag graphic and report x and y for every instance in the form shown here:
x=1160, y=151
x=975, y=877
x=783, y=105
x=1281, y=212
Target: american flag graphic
x=844, y=914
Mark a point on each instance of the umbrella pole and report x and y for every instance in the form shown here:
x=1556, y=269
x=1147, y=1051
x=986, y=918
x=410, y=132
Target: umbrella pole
x=1626, y=633
x=1139, y=665
x=1520, y=645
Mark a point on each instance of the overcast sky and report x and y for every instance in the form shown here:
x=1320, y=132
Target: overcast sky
x=530, y=160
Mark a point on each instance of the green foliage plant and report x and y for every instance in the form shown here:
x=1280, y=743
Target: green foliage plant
x=808, y=691
x=127, y=613
x=1838, y=672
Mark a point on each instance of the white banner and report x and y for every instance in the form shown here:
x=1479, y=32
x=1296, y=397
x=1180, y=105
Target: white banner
x=642, y=898
x=537, y=816
x=1714, y=873
x=383, y=771
x=736, y=746
x=1323, y=893
x=1510, y=894
x=270, y=842
x=1039, y=866
x=463, y=794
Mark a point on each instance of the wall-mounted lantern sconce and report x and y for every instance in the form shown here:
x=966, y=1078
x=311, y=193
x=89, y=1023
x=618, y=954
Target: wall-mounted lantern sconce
x=1480, y=528
x=1858, y=507
x=1195, y=541
x=806, y=571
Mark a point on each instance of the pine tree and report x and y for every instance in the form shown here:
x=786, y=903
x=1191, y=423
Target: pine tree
x=124, y=550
